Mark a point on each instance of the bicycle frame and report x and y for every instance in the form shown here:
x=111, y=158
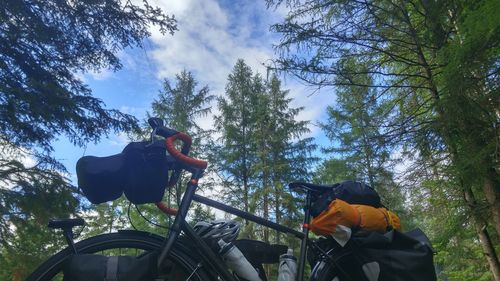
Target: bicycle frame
x=197, y=167
x=207, y=254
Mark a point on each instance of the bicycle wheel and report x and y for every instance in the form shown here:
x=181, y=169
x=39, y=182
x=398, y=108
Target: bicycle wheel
x=181, y=266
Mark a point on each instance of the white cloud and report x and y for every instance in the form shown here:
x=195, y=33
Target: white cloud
x=102, y=74
x=212, y=37
x=209, y=41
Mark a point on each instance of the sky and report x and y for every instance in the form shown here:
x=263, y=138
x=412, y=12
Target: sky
x=212, y=35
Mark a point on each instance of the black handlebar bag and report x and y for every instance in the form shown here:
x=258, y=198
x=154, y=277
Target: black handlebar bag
x=102, y=179
x=140, y=171
x=148, y=167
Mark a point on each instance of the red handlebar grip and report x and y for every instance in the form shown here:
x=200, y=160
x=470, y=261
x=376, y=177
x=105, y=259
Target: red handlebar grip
x=181, y=157
x=164, y=208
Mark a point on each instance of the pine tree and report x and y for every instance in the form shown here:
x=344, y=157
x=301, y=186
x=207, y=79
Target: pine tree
x=262, y=167
x=291, y=154
x=236, y=123
x=263, y=149
x=356, y=128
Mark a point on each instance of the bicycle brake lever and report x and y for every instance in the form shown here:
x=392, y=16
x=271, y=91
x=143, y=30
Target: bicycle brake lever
x=155, y=122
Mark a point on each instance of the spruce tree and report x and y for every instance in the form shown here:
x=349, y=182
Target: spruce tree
x=263, y=148
x=291, y=154
x=356, y=126
x=236, y=155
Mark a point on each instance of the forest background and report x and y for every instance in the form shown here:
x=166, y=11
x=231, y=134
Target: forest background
x=411, y=96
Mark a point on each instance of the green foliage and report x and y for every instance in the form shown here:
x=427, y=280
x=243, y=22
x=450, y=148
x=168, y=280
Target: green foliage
x=200, y=213
x=44, y=43
x=333, y=170
x=262, y=149
x=106, y=217
x=425, y=74
x=180, y=106
x=30, y=195
x=28, y=249
x=290, y=155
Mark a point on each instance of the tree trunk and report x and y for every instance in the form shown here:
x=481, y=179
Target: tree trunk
x=484, y=237
x=266, y=213
x=277, y=211
x=479, y=223
x=245, y=198
x=492, y=195
x=277, y=196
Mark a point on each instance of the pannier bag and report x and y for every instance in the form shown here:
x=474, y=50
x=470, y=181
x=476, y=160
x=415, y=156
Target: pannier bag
x=91, y=267
x=141, y=171
x=351, y=192
x=362, y=217
x=393, y=256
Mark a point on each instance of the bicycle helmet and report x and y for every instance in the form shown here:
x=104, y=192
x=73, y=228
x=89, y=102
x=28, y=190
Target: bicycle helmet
x=218, y=229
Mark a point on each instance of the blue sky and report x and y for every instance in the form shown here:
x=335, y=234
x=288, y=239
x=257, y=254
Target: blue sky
x=212, y=36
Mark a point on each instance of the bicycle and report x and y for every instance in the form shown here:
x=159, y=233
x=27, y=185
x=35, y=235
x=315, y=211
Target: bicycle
x=187, y=256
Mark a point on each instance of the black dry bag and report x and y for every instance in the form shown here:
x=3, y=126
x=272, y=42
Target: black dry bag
x=351, y=192
x=91, y=267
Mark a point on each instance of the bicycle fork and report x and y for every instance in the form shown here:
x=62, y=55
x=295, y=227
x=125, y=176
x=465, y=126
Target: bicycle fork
x=180, y=224
x=176, y=227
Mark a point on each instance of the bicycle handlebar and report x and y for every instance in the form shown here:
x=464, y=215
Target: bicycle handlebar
x=181, y=155
x=170, y=137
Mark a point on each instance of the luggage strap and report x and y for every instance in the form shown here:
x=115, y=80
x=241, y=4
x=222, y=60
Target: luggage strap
x=111, y=269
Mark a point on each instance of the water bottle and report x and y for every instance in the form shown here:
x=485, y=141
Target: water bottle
x=287, y=270
x=237, y=262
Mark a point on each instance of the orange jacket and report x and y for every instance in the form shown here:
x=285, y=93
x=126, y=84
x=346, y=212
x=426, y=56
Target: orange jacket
x=354, y=216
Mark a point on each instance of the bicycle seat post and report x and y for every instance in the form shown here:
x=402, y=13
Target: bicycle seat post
x=305, y=230
x=68, y=235
x=66, y=225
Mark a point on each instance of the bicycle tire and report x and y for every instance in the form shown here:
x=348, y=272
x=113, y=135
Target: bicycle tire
x=128, y=239
x=323, y=271
x=327, y=270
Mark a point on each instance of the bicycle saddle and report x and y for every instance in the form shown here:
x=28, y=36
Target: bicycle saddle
x=65, y=223
x=304, y=186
